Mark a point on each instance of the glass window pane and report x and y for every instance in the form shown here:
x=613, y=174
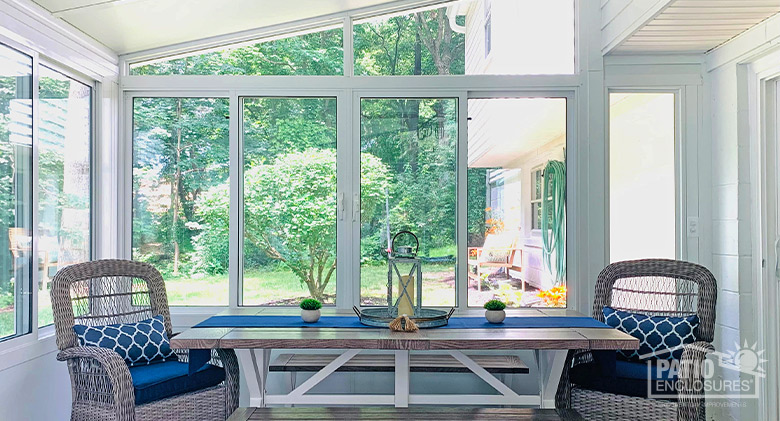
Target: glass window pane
x=315, y=53
x=15, y=191
x=64, y=135
x=516, y=152
x=470, y=37
x=289, y=200
x=407, y=182
x=181, y=195
x=641, y=176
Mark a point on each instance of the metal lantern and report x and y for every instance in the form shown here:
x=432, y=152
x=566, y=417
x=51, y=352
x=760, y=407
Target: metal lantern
x=409, y=299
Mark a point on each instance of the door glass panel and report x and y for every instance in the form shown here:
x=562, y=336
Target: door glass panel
x=641, y=176
x=407, y=182
x=289, y=200
x=64, y=138
x=517, y=201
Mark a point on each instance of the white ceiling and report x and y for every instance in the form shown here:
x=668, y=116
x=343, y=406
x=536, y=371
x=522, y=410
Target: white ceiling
x=127, y=26
x=697, y=26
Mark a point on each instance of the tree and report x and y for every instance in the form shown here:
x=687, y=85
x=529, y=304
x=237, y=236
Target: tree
x=290, y=211
x=181, y=144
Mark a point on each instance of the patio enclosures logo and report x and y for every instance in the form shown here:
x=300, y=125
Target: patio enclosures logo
x=667, y=378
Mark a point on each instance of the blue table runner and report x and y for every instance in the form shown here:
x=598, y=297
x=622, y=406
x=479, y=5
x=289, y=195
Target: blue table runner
x=353, y=322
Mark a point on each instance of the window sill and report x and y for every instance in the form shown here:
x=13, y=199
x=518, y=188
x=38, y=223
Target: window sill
x=26, y=348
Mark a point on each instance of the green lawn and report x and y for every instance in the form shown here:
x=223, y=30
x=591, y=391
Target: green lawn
x=282, y=287
x=45, y=316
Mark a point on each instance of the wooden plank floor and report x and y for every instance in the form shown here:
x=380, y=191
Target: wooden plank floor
x=397, y=414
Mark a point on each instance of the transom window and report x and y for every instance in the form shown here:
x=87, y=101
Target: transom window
x=518, y=37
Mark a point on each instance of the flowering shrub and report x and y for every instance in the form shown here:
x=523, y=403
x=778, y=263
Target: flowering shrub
x=554, y=297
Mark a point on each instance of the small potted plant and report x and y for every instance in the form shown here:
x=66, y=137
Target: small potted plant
x=494, y=311
x=310, y=310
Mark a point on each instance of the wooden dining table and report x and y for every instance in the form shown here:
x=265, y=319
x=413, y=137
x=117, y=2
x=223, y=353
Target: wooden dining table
x=550, y=346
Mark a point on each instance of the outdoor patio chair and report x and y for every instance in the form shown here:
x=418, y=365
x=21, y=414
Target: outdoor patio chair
x=118, y=291
x=652, y=287
x=498, y=251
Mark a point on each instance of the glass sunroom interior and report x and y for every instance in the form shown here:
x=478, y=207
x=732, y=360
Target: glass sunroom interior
x=381, y=140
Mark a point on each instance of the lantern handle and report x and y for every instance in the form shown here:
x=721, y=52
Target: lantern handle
x=416, y=248
x=452, y=310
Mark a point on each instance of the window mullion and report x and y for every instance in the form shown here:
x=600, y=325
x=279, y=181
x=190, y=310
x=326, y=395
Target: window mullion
x=31, y=301
x=461, y=212
x=236, y=177
x=346, y=224
x=347, y=45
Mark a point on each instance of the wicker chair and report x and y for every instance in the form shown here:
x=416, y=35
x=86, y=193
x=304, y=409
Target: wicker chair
x=119, y=291
x=655, y=287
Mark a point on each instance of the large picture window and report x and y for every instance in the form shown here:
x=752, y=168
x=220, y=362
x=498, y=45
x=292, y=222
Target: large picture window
x=180, y=195
x=289, y=200
x=64, y=178
x=16, y=207
x=517, y=201
x=407, y=182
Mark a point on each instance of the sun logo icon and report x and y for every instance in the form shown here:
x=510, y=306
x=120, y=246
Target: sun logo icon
x=746, y=359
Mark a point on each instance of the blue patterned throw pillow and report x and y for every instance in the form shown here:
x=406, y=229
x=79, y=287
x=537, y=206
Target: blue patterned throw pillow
x=660, y=337
x=139, y=343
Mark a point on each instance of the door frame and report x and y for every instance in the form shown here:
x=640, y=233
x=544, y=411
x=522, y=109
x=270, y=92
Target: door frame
x=763, y=122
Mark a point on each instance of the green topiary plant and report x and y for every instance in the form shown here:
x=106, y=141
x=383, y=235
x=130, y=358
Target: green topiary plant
x=310, y=304
x=494, y=305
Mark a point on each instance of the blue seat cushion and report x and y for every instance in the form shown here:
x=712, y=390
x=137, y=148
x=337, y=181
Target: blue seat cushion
x=630, y=378
x=660, y=337
x=163, y=380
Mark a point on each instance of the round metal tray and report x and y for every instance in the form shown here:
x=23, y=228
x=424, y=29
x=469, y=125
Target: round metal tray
x=382, y=316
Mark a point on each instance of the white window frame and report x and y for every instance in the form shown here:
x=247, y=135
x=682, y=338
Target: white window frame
x=348, y=146
x=39, y=339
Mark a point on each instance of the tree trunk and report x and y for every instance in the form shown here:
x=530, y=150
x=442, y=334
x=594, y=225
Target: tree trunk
x=175, y=199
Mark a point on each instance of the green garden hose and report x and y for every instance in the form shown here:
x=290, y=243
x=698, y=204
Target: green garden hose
x=554, y=228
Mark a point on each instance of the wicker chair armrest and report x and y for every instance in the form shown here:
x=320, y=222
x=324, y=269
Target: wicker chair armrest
x=692, y=357
x=100, y=377
x=230, y=362
x=691, y=386
x=573, y=358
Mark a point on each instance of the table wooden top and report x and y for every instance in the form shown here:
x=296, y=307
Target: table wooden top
x=425, y=339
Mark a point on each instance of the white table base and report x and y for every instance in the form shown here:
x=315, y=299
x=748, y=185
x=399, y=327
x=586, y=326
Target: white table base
x=255, y=362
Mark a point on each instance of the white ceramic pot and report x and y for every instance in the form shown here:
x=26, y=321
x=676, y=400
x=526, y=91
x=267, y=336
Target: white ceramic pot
x=310, y=316
x=495, y=316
